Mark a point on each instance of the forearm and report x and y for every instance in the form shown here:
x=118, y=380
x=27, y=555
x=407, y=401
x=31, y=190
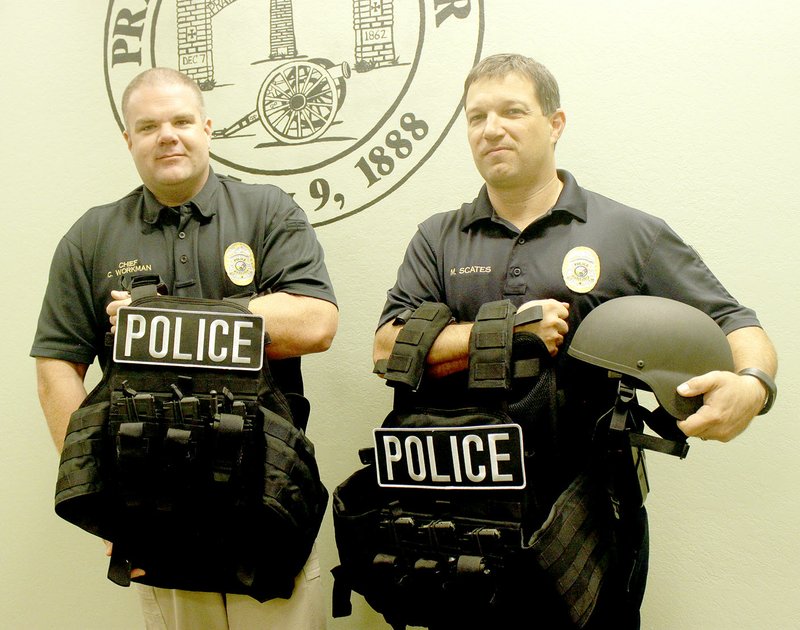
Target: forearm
x=61, y=391
x=449, y=353
x=752, y=348
x=296, y=324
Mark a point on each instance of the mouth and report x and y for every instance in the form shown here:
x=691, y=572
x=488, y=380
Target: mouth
x=170, y=156
x=495, y=150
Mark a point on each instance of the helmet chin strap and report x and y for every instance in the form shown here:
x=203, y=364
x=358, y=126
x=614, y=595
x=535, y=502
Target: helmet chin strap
x=672, y=440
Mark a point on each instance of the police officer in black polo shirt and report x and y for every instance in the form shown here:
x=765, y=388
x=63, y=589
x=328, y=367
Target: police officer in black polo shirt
x=206, y=236
x=535, y=237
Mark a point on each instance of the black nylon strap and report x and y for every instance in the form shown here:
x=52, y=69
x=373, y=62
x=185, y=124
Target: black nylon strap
x=229, y=429
x=73, y=479
x=81, y=449
x=652, y=443
x=406, y=364
x=119, y=566
x=529, y=315
x=490, y=346
x=91, y=416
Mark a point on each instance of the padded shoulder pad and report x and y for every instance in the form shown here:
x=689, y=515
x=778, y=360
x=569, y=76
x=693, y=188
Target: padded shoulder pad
x=490, y=345
x=406, y=365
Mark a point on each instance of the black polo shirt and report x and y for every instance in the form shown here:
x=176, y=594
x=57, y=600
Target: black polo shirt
x=231, y=238
x=587, y=249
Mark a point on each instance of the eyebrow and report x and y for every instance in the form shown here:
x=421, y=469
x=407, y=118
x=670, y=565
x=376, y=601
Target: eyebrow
x=501, y=104
x=180, y=116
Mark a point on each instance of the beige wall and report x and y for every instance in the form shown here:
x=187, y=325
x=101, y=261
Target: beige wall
x=687, y=109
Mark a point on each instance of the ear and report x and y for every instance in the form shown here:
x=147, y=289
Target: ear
x=127, y=138
x=207, y=128
x=558, y=120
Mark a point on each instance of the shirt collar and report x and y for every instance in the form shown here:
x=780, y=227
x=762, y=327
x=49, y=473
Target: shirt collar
x=202, y=201
x=572, y=200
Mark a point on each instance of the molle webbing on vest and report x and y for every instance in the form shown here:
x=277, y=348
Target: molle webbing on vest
x=406, y=364
x=490, y=346
x=200, y=472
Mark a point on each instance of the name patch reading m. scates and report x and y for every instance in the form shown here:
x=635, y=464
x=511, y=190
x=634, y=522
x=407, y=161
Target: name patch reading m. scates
x=189, y=338
x=465, y=458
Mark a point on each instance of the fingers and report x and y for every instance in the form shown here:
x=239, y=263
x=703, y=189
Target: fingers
x=729, y=404
x=702, y=384
x=118, y=299
x=135, y=573
x=553, y=327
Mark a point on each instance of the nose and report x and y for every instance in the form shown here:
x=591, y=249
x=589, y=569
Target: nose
x=167, y=135
x=492, y=127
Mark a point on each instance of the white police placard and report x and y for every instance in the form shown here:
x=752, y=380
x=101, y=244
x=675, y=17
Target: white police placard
x=486, y=457
x=189, y=338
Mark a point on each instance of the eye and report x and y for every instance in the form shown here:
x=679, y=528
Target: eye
x=476, y=118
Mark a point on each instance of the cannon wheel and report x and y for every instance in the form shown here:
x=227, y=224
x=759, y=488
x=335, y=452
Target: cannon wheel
x=339, y=79
x=298, y=101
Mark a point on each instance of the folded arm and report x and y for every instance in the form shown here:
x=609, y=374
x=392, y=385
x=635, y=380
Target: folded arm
x=297, y=324
x=450, y=351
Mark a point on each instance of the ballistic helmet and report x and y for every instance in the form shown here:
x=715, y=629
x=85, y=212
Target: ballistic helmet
x=657, y=341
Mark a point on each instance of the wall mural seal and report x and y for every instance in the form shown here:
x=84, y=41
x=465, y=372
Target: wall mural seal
x=338, y=103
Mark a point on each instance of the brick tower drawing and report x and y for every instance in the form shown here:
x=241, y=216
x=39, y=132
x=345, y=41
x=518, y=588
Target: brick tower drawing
x=373, y=22
x=281, y=30
x=196, y=41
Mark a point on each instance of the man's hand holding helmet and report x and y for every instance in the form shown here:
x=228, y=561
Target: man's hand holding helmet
x=730, y=402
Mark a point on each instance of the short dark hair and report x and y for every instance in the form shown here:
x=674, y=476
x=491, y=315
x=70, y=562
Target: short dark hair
x=160, y=76
x=498, y=66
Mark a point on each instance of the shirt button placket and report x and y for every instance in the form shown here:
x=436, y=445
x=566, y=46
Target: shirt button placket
x=184, y=272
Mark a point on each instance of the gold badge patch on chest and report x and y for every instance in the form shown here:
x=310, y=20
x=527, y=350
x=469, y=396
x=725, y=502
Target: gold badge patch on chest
x=581, y=269
x=240, y=264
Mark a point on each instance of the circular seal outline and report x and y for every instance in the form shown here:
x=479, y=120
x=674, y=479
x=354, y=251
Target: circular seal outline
x=368, y=136
x=444, y=132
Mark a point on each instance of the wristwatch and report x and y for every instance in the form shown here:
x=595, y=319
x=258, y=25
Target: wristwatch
x=766, y=379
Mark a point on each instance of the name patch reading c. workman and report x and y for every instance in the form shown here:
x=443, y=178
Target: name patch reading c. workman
x=440, y=458
x=189, y=338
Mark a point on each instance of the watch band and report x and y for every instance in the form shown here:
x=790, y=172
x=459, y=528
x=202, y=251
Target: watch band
x=766, y=379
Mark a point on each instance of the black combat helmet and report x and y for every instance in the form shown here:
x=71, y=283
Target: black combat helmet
x=657, y=341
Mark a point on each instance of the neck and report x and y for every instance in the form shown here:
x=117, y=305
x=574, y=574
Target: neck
x=180, y=193
x=522, y=206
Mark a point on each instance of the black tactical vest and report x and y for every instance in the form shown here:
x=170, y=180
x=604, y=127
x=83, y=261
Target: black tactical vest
x=464, y=515
x=189, y=459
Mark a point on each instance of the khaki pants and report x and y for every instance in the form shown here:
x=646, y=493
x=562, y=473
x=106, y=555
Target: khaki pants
x=168, y=609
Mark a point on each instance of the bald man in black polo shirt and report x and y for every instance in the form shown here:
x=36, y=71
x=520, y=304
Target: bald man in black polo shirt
x=535, y=237
x=206, y=236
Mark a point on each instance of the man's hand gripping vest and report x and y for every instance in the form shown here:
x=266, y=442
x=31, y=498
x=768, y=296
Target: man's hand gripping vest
x=460, y=515
x=189, y=459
